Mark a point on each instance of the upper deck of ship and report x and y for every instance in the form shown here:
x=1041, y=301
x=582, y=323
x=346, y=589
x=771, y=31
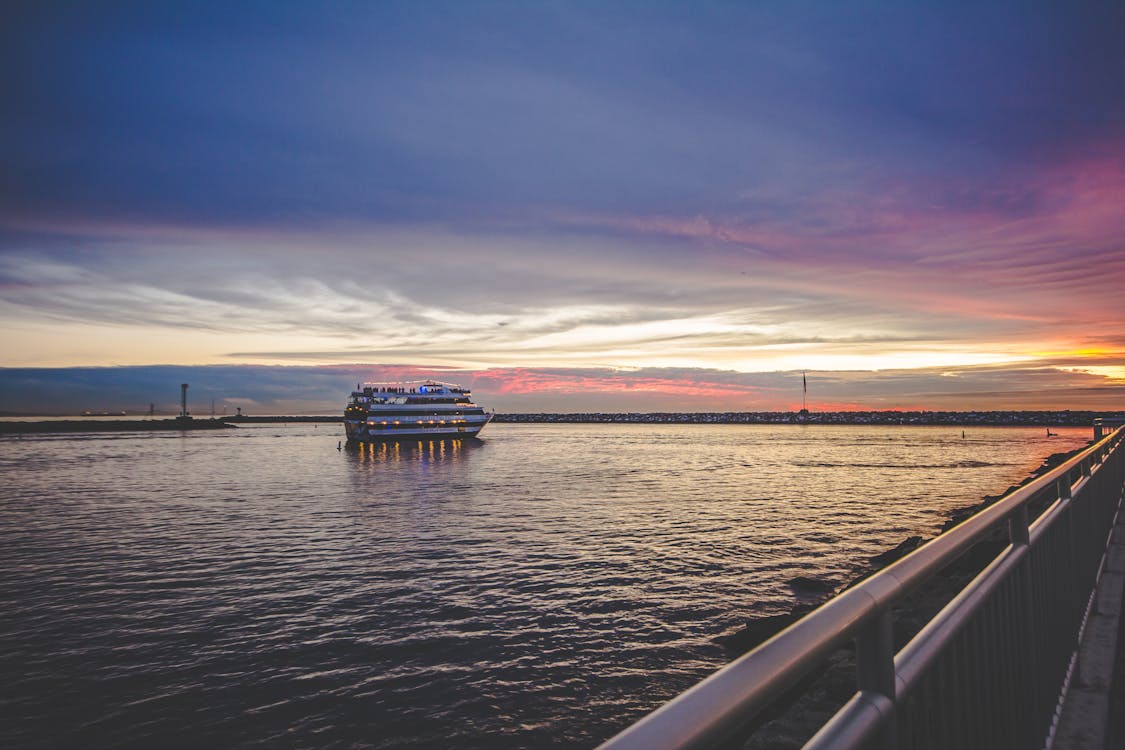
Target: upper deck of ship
x=420, y=391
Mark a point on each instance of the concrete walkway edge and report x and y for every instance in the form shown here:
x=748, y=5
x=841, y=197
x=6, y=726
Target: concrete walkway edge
x=1086, y=715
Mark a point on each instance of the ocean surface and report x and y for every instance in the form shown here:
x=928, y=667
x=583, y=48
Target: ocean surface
x=541, y=587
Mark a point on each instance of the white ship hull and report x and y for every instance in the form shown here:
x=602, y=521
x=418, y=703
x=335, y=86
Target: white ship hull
x=365, y=432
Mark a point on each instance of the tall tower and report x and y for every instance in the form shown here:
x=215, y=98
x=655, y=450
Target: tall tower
x=804, y=413
x=183, y=401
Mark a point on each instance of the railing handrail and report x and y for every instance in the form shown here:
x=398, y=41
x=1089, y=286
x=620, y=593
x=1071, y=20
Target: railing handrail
x=732, y=696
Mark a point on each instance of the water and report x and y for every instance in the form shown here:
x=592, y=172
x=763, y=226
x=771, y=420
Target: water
x=540, y=588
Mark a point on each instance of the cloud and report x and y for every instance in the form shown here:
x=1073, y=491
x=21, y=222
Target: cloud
x=744, y=187
x=473, y=300
x=227, y=115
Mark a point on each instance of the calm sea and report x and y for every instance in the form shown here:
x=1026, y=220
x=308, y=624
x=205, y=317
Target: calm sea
x=542, y=587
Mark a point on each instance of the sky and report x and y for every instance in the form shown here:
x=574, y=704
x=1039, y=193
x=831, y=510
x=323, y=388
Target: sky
x=568, y=206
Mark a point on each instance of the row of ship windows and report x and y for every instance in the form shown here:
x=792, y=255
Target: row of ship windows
x=379, y=400
x=404, y=392
x=427, y=414
x=414, y=424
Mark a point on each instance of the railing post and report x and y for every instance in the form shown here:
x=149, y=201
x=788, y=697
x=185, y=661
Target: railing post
x=1019, y=533
x=875, y=670
x=1072, y=541
x=1064, y=486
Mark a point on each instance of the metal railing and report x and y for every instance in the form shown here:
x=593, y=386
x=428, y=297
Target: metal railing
x=986, y=672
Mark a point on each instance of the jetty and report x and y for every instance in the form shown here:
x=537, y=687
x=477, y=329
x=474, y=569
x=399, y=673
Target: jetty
x=180, y=423
x=1021, y=655
x=272, y=419
x=47, y=426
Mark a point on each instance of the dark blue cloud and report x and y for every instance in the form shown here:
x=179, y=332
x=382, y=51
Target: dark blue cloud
x=75, y=389
x=262, y=112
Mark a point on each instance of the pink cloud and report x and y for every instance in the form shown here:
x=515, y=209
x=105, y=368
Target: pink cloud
x=1038, y=249
x=521, y=381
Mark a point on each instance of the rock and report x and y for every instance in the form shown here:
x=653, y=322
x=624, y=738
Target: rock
x=806, y=586
x=757, y=631
x=905, y=547
x=1051, y=462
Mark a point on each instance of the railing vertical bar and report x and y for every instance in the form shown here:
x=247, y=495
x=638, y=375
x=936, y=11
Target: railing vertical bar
x=986, y=658
x=1060, y=617
x=986, y=710
x=956, y=692
x=972, y=667
x=1013, y=652
x=1020, y=647
x=960, y=698
x=1028, y=644
x=994, y=661
x=990, y=626
x=943, y=690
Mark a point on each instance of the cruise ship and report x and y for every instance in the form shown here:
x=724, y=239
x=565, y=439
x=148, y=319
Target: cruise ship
x=425, y=409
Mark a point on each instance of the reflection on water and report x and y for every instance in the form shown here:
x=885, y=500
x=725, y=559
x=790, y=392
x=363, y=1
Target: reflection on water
x=542, y=586
x=418, y=451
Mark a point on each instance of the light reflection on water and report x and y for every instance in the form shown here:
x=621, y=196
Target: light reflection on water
x=541, y=586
